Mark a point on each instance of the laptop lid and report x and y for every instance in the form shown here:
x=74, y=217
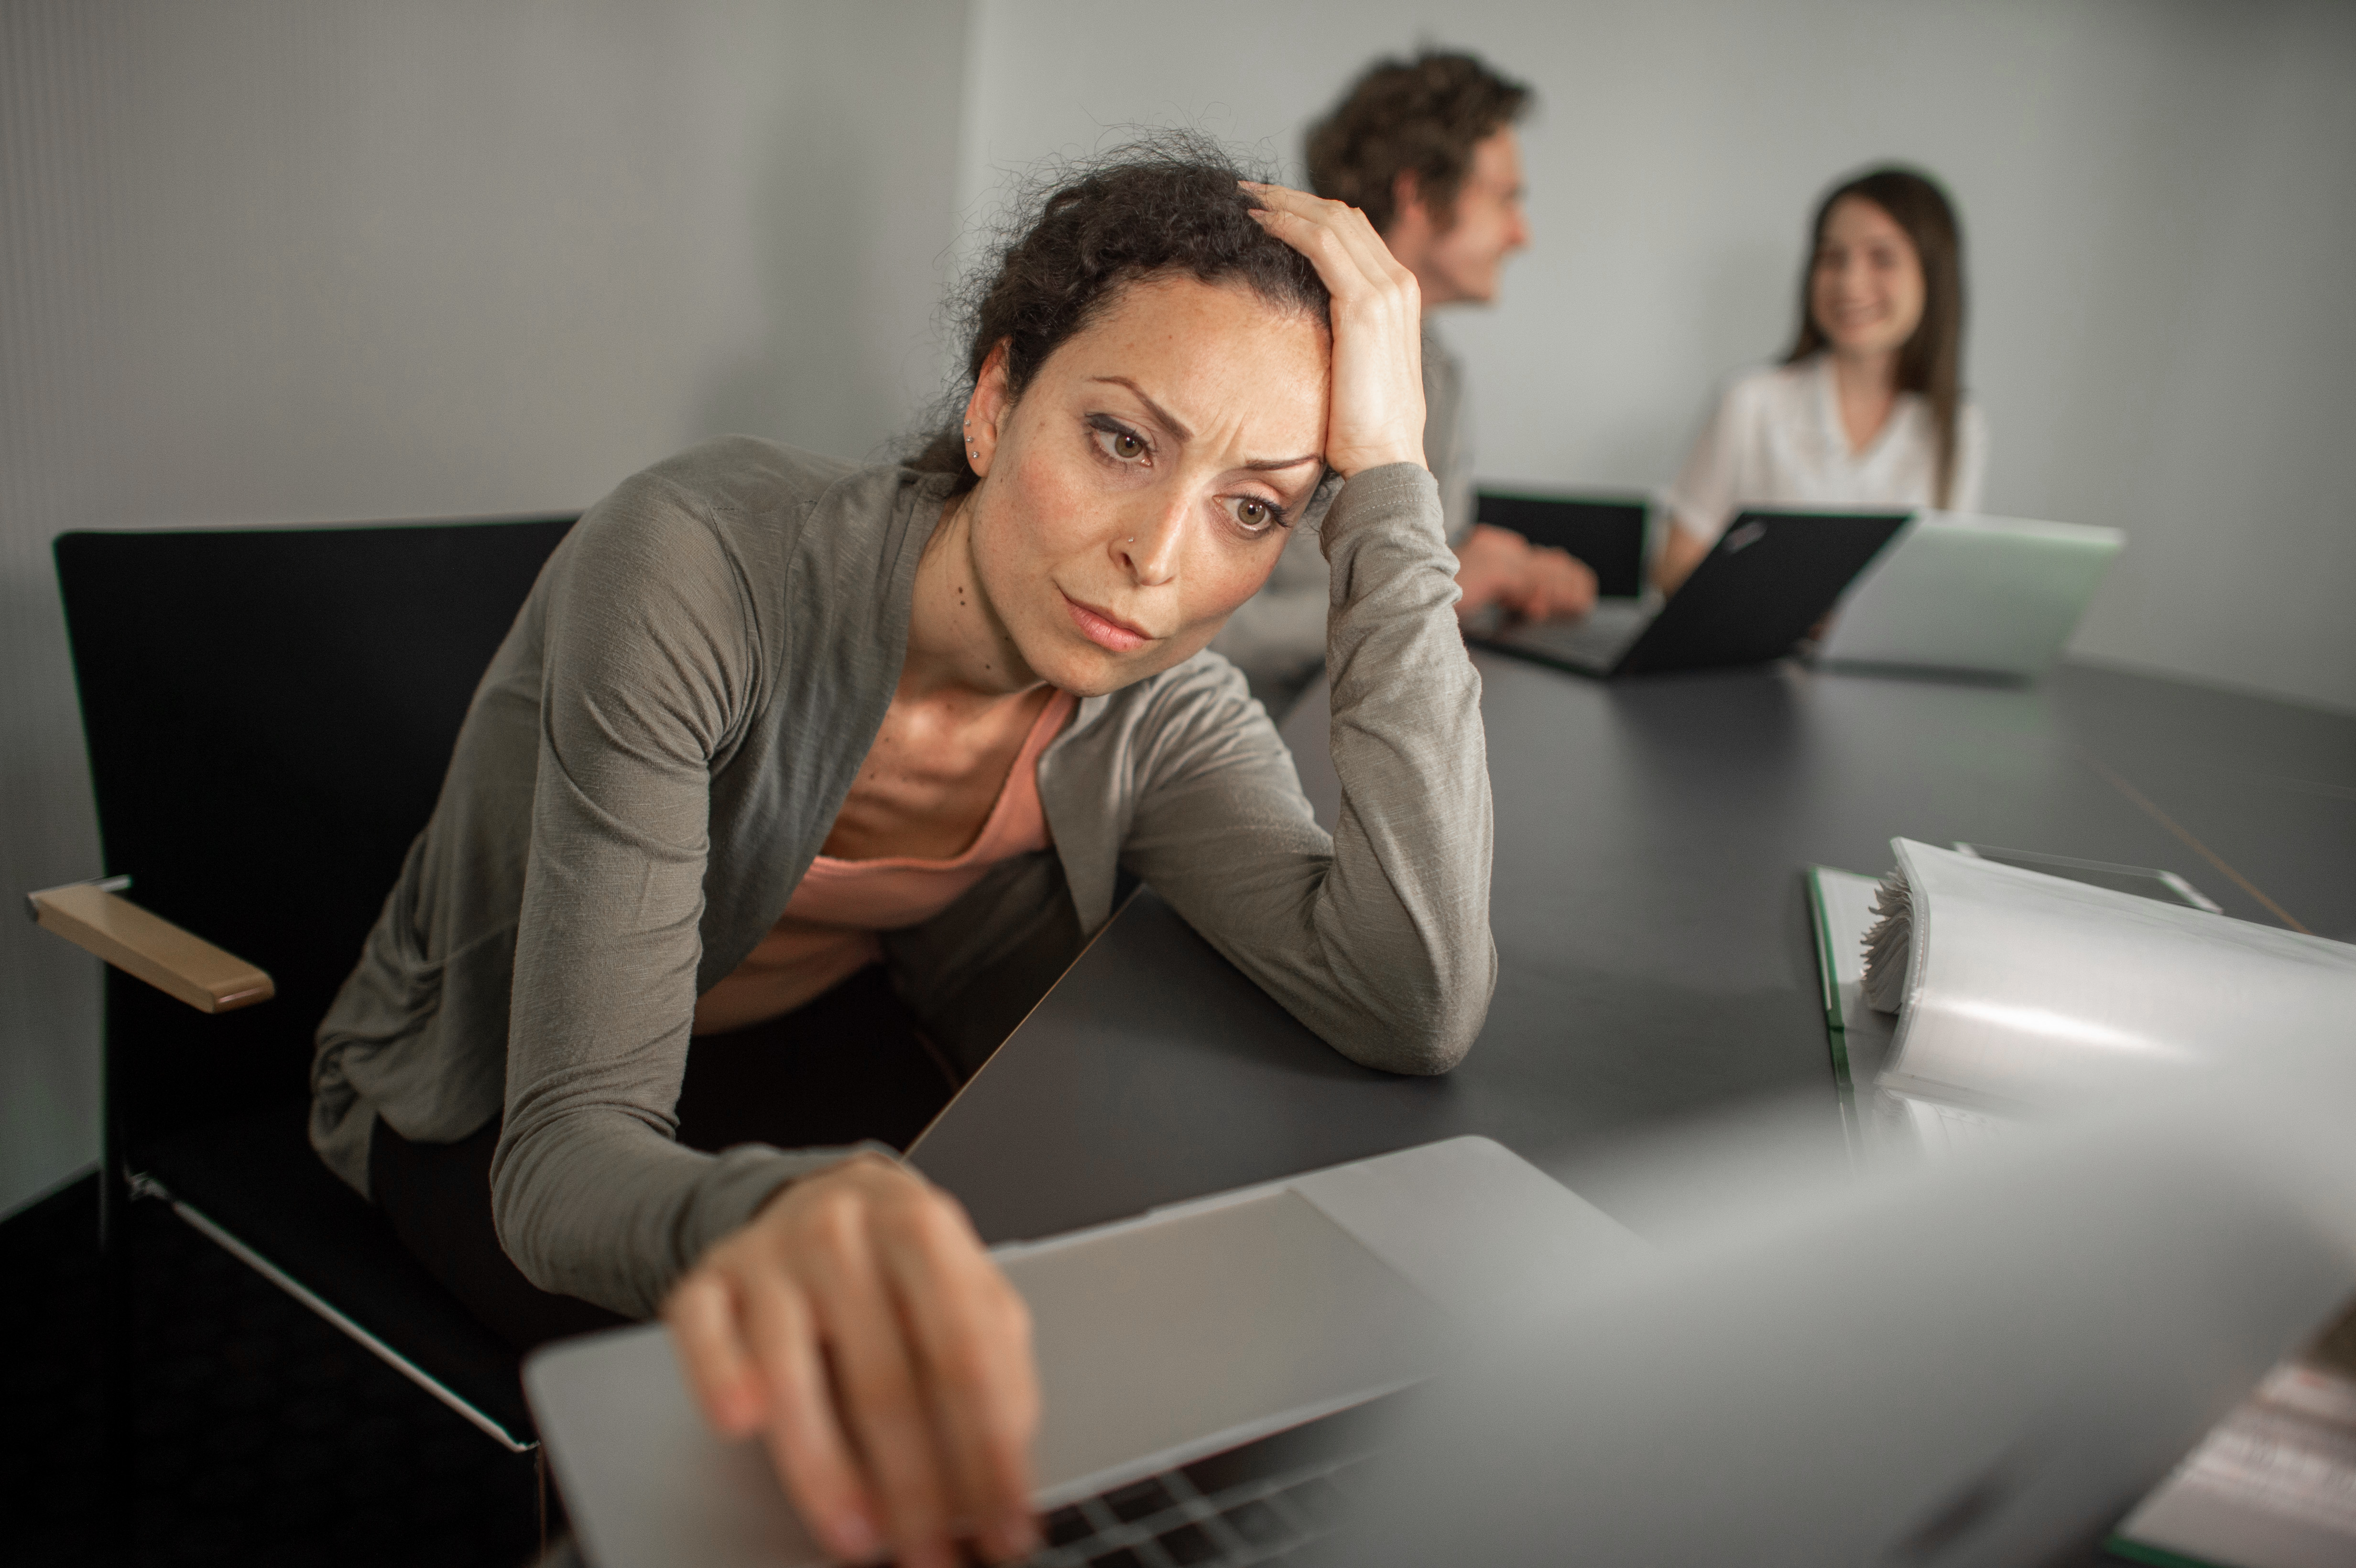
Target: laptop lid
x=1609, y=533
x=1984, y=1362
x=1989, y=595
x=1771, y=576
x=1158, y=1340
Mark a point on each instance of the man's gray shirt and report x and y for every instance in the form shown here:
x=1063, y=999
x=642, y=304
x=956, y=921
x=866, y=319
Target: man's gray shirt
x=663, y=741
x=1278, y=638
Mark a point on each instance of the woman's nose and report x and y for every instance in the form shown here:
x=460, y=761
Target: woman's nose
x=1149, y=551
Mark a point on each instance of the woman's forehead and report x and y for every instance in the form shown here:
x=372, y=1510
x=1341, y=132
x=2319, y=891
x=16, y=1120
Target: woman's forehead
x=1857, y=219
x=1214, y=352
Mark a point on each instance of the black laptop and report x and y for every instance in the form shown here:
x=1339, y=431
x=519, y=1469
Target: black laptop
x=1771, y=576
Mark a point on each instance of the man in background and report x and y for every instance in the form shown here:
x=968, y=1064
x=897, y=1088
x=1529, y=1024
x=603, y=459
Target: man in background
x=1426, y=149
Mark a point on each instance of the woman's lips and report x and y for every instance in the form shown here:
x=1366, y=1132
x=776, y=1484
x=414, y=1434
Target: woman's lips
x=1104, y=631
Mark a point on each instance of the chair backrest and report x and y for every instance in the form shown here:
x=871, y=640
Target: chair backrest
x=1607, y=532
x=269, y=714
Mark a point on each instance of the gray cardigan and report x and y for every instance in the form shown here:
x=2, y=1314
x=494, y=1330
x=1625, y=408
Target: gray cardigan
x=663, y=742
x=1278, y=637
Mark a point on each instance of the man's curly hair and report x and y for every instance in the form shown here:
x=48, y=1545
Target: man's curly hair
x=1421, y=117
x=1167, y=206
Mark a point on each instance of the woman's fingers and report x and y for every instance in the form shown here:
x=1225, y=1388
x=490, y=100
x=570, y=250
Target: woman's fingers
x=884, y=1405
x=805, y=1440
x=1376, y=416
x=859, y=1320
x=1344, y=226
x=720, y=1370
x=972, y=1335
x=1352, y=259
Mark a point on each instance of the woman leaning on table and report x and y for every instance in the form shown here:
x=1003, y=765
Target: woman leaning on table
x=789, y=765
x=1867, y=407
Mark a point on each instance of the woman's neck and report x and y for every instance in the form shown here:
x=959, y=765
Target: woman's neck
x=1865, y=387
x=958, y=650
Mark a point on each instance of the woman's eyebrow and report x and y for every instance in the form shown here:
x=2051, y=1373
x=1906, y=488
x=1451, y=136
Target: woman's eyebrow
x=1177, y=427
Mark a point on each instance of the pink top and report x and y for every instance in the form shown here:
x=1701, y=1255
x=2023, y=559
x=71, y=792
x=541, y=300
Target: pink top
x=827, y=932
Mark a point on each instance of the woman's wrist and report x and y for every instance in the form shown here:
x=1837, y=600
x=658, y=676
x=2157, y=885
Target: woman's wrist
x=1349, y=465
x=1392, y=499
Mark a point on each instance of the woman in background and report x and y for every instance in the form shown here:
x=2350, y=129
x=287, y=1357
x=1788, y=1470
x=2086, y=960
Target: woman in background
x=1867, y=407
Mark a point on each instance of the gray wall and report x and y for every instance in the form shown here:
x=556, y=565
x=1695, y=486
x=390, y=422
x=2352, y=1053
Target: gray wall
x=2159, y=200
x=296, y=262
x=286, y=263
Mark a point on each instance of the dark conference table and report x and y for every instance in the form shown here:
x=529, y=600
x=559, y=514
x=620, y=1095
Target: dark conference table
x=1655, y=959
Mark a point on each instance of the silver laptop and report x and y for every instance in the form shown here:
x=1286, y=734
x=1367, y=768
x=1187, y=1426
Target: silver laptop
x=1958, y=592
x=1204, y=1370
x=1980, y=1364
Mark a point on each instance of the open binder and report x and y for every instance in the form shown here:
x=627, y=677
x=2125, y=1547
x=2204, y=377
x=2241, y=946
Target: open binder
x=2021, y=993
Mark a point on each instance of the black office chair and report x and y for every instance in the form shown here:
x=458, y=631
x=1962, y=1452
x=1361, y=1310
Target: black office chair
x=1607, y=532
x=269, y=713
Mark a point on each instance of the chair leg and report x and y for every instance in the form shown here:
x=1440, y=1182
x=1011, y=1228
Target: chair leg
x=118, y=1531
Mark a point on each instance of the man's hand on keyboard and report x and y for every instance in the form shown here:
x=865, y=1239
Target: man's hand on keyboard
x=859, y=1325
x=1533, y=583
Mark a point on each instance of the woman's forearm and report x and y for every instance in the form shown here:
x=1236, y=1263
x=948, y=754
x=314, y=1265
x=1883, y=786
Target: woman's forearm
x=1378, y=938
x=1680, y=553
x=1403, y=915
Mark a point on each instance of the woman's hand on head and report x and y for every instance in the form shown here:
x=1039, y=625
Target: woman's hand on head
x=859, y=1326
x=1377, y=413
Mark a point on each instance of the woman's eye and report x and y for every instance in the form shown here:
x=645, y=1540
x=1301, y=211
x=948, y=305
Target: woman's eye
x=1122, y=445
x=1255, y=515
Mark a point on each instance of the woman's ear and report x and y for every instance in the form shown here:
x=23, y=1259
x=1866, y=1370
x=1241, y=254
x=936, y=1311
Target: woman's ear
x=986, y=411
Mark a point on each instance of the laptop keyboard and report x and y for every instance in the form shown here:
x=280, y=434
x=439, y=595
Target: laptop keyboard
x=1260, y=1503
x=1595, y=640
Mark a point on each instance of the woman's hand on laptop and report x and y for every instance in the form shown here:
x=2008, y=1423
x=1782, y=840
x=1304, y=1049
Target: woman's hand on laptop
x=859, y=1325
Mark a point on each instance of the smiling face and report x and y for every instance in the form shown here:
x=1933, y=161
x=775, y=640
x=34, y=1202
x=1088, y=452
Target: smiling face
x=1865, y=288
x=1487, y=224
x=1140, y=487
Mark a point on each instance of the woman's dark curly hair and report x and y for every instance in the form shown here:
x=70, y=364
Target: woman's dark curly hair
x=1166, y=206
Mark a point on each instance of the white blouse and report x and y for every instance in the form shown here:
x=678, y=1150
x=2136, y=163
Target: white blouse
x=1776, y=440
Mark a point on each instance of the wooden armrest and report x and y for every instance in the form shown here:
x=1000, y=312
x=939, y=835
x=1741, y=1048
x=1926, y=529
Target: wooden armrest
x=153, y=948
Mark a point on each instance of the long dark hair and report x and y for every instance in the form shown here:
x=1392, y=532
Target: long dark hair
x=1931, y=362
x=1167, y=206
